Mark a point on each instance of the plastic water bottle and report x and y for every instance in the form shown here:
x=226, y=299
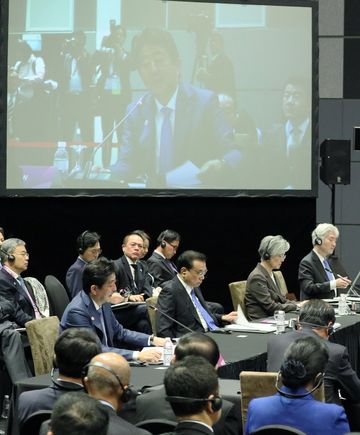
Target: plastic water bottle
x=279, y=317
x=61, y=159
x=168, y=352
x=5, y=407
x=342, y=308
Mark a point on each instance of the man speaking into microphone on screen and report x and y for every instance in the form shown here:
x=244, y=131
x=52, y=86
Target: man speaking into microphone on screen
x=177, y=136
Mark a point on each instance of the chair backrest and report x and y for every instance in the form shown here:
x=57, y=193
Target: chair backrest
x=262, y=384
x=157, y=425
x=151, y=312
x=277, y=429
x=42, y=334
x=237, y=292
x=41, y=298
x=33, y=423
x=58, y=297
x=281, y=281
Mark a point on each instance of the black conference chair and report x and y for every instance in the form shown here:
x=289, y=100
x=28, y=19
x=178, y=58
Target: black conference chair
x=277, y=429
x=57, y=295
x=33, y=423
x=157, y=425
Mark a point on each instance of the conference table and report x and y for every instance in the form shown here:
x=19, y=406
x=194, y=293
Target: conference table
x=240, y=350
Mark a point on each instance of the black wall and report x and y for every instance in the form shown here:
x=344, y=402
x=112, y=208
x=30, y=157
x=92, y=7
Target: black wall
x=227, y=230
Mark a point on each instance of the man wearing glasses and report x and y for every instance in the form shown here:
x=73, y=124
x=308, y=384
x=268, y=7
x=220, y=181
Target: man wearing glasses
x=181, y=299
x=88, y=247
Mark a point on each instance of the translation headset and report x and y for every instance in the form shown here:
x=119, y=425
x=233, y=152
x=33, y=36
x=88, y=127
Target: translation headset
x=82, y=248
x=216, y=401
x=329, y=328
x=318, y=241
x=127, y=392
x=266, y=254
x=10, y=257
x=319, y=380
x=163, y=241
x=64, y=385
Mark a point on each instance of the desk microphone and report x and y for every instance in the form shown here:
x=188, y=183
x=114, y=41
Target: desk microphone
x=153, y=307
x=89, y=163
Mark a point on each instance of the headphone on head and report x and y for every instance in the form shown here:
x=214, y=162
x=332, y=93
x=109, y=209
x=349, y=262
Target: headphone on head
x=329, y=328
x=64, y=385
x=216, y=401
x=10, y=257
x=266, y=255
x=82, y=248
x=163, y=241
x=127, y=392
x=318, y=241
x=319, y=381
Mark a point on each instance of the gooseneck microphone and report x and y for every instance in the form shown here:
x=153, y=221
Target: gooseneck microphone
x=153, y=307
x=89, y=163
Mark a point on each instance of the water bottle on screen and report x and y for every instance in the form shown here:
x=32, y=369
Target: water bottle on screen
x=342, y=307
x=168, y=351
x=61, y=159
x=5, y=407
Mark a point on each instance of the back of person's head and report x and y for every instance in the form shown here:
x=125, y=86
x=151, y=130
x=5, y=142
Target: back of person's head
x=74, y=348
x=197, y=344
x=304, y=361
x=87, y=239
x=187, y=258
x=97, y=272
x=78, y=414
x=8, y=247
x=168, y=236
x=316, y=312
x=154, y=37
x=191, y=378
x=322, y=231
x=273, y=245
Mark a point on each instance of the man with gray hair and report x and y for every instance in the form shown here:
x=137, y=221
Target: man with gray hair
x=316, y=277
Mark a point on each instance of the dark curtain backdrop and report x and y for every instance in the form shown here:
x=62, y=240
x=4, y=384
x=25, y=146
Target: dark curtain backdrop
x=227, y=230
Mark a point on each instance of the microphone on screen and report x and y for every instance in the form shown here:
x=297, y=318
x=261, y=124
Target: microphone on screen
x=89, y=163
x=153, y=307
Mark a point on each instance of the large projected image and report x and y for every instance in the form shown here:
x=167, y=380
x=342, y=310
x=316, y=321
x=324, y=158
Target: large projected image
x=182, y=97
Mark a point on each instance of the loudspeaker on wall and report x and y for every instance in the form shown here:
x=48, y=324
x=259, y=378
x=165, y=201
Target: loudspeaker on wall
x=335, y=161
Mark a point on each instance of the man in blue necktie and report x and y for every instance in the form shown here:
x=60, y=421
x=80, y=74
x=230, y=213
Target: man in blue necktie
x=182, y=300
x=318, y=277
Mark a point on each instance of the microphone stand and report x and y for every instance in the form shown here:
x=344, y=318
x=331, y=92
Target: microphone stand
x=89, y=163
x=153, y=307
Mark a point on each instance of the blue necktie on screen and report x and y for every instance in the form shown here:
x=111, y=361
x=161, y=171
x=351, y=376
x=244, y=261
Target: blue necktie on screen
x=206, y=316
x=328, y=270
x=166, y=136
x=104, y=340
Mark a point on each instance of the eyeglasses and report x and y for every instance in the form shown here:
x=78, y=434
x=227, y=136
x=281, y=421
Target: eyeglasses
x=282, y=256
x=175, y=247
x=96, y=251
x=23, y=254
x=201, y=273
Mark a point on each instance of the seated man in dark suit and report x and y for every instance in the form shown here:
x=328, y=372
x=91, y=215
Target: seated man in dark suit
x=88, y=247
x=192, y=388
x=91, y=309
x=133, y=281
x=316, y=277
x=316, y=319
x=74, y=348
x=173, y=124
x=78, y=413
x=152, y=403
x=107, y=379
x=181, y=299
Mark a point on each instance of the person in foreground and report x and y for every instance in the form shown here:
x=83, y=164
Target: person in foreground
x=263, y=296
x=192, y=387
x=301, y=374
x=91, y=309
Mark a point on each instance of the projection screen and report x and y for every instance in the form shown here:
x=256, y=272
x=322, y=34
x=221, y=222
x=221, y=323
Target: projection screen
x=150, y=97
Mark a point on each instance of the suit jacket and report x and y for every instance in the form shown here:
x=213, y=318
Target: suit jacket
x=44, y=399
x=313, y=280
x=294, y=171
x=81, y=313
x=305, y=413
x=175, y=302
x=11, y=290
x=338, y=372
x=263, y=297
x=191, y=428
x=74, y=277
x=160, y=269
x=152, y=404
x=119, y=426
x=124, y=277
x=201, y=133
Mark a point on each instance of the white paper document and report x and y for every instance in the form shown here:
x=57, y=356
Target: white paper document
x=243, y=325
x=183, y=176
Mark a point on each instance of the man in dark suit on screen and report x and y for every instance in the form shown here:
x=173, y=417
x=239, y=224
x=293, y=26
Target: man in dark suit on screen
x=173, y=124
